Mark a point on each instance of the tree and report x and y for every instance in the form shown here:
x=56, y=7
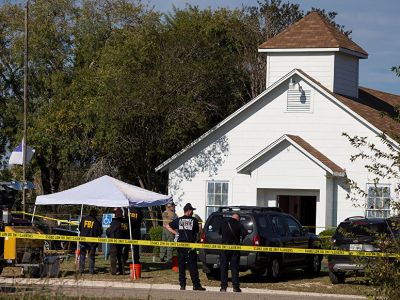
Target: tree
x=116, y=88
x=383, y=162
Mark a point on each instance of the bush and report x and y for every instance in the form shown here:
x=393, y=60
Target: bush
x=326, y=236
x=155, y=234
x=382, y=272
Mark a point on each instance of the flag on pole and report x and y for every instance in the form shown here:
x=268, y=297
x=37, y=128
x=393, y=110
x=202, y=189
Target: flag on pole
x=16, y=157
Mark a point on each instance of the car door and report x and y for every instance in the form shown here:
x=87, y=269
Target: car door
x=280, y=228
x=297, y=238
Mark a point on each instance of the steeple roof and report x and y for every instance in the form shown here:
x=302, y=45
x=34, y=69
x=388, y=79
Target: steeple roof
x=312, y=31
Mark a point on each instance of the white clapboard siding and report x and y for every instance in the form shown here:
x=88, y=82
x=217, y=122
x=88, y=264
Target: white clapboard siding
x=319, y=65
x=346, y=75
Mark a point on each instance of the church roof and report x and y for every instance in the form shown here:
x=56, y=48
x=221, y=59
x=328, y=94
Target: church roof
x=373, y=108
x=312, y=31
x=298, y=142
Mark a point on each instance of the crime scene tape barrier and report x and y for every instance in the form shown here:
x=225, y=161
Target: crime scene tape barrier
x=45, y=217
x=36, y=236
x=159, y=220
x=65, y=221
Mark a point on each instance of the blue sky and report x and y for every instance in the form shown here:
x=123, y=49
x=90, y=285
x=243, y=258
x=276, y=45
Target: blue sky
x=375, y=27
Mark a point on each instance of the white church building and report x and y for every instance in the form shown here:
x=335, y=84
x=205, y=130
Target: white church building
x=286, y=147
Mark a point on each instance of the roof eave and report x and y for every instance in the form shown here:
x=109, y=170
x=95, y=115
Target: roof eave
x=245, y=168
x=302, y=74
x=334, y=49
x=339, y=174
x=165, y=164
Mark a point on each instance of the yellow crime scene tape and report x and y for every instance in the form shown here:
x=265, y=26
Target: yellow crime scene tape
x=36, y=236
x=45, y=217
x=160, y=220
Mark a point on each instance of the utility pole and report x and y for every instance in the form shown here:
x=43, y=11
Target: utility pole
x=24, y=140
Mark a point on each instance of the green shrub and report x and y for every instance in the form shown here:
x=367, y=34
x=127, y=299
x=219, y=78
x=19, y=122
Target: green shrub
x=326, y=236
x=155, y=234
x=383, y=273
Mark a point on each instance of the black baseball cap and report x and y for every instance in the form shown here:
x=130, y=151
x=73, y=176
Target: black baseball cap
x=188, y=206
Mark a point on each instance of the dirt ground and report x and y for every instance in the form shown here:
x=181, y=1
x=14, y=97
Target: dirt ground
x=158, y=272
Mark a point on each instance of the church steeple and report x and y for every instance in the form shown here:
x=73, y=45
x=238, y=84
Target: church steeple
x=319, y=49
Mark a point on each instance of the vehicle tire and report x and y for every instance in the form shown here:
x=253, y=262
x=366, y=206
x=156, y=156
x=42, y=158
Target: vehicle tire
x=336, y=278
x=259, y=272
x=214, y=274
x=313, y=265
x=274, y=269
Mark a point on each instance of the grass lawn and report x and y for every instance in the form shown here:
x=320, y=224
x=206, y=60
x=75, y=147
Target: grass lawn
x=161, y=273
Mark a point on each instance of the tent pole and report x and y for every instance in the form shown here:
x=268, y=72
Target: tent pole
x=77, y=243
x=33, y=214
x=130, y=235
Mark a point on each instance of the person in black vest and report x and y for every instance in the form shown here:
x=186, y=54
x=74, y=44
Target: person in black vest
x=119, y=230
x=186, y=228
x=136, y=216
x=232, y=232
x=90, y=227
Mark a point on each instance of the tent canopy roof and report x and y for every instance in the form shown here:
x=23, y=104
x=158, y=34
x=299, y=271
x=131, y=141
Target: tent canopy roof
x=105, y=191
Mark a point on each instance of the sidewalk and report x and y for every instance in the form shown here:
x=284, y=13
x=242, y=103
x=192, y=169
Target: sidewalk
x=138, y=290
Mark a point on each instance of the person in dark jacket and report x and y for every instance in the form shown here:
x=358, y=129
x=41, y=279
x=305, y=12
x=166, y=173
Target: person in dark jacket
x=136, y=216
x=232, y=231
x=89, y=227
x=186, y=228
x=119, y=230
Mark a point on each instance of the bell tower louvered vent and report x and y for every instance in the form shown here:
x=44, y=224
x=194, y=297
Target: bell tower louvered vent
x=298, y=100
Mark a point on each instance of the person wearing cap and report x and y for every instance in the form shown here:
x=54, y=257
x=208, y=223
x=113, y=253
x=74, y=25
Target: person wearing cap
x=136, y=217
x=187, y=229
x=118, y=230
x=200, y=220
x=89, y=227
x=232, y=232
x=167, y=216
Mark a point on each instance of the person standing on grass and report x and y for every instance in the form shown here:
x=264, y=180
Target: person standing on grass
x=186, y=229
x=118, y=230
x=136, y=216
x=232, y=232
x=168, y=216
x=89, y=227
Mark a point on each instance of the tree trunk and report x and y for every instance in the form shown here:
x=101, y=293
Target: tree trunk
x=153, y=215
x=44, y=175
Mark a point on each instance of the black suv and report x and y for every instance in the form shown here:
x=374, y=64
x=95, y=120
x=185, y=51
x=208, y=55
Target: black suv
x=358, y=234
x=266, y=226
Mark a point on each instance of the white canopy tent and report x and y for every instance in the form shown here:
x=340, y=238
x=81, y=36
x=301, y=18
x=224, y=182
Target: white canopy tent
x=105, y=191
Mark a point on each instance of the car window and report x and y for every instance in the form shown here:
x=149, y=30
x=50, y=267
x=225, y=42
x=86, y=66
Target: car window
x=247, y=222
x=360, y=229
x=293, y=226
x=262, y=222
x=279, y=225
x=215, y=223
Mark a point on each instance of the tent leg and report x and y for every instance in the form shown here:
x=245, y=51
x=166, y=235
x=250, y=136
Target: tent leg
x=77, y=243
x=33, y=214
x=130, y=235
x=81, y=213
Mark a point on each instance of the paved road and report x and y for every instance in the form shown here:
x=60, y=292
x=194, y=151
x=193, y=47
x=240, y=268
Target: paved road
x=125, y=290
